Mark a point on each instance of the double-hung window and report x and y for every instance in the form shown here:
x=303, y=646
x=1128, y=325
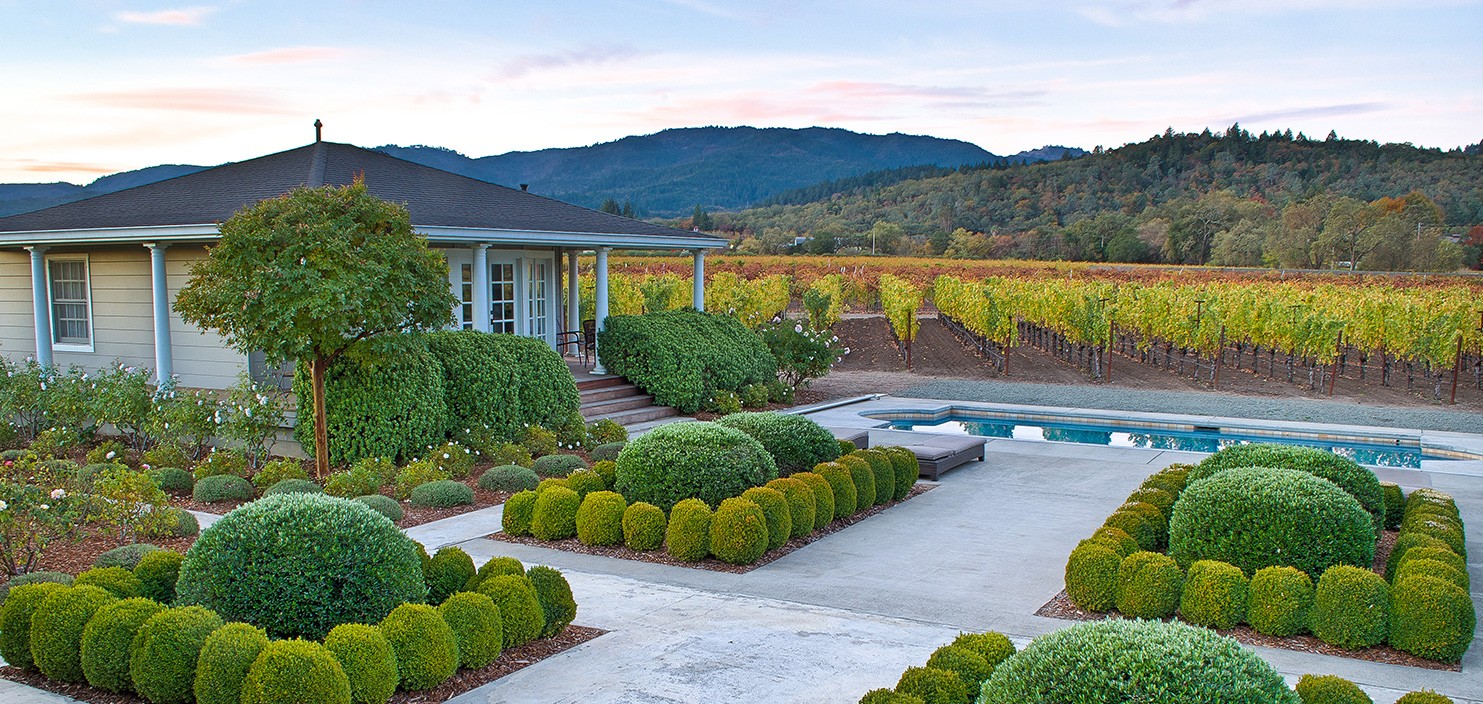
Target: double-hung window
x=71, y=304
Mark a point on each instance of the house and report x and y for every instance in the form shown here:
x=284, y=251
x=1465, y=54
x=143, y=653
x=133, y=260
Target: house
x=93, y=281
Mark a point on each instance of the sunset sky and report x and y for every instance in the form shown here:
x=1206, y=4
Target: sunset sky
x=94, y=86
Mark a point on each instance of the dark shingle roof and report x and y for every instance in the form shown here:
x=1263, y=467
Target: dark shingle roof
x=435, y=198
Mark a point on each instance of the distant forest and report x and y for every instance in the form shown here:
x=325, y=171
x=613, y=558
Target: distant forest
x=1231, y=199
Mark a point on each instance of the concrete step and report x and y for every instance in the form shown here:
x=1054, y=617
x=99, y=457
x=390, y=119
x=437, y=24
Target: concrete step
x=609, y=392
x=598, y=409
x=637, y=415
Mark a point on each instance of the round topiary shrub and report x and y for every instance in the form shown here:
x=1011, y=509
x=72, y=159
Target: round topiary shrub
x=1117, y=539
x=1330, y=689
x=1351, y=607
x=447, y=572
x=292, y=671
x=368, y=660
x=164, y=654
x=15, y=621
x=1148, y=585
x=775, y=508
x=608, y=470
x=842, y=485
x=1120, y=660
x=442, y=494
x=970, y=667
x=557, y=465
x=1153, y=496
x=225, y=659
x=1435, y=553
x=476, y=625
x=106, y=639
x=509, y=477
x=886, y=696
x=607, y=452
x=884, y=474
x=384, y=505
x=1395, y=504
x=800, y=500
x=1259, y=517
x=1168, y=480
x=125, y=556
x=1280, y=600
x=1431, y=618
x=349, y=564
x=119, y=582
x=426, y=649
x=907, y=470
x=173, y=479
x=739, y=531
x=223, y=487
x=553, y=482
x=1425, y=696
x=277, y=471
x=1447, y=530
x=933, y=686
x=643, y=527
x=1341, y=471
x=293, y=486
x=1432, y=568
x=495, y=566
x=555, y=514
x=993, y=647
x=823, y=498
x=61, y=578
x=179, y=523
x=1145, y=533
x=688, y=536
x=600, y=518
x=518, y=511
x=555, y=596
x=1091, y=577
x=863, y=476
x=1215, y=595
x=705, y=461
x=796, y=443
x=521, y=616
x=586, y=481
x=56, y=630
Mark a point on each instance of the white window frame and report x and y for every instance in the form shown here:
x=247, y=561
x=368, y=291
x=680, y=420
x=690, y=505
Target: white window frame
x=51, y=308
x=538, y=296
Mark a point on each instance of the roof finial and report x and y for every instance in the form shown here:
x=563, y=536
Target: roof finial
x=318, y=130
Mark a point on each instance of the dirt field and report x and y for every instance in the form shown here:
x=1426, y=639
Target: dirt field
x=873, y=366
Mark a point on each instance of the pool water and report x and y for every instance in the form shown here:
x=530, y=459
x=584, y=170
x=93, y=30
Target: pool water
x=1376, y=455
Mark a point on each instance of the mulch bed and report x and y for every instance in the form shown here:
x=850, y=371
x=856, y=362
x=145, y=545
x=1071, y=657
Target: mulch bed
x=1061, y=607
x=465, y=680
x=413, y=515
x=74, y=556
x=662, y=557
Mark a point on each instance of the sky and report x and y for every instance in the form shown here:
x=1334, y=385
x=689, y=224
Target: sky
x=93, y=87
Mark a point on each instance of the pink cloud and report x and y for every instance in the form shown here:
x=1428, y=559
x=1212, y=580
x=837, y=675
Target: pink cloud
x=289, y=55
x=178, y=17
x=189, y=100
x=522, y=66
x=48, y=167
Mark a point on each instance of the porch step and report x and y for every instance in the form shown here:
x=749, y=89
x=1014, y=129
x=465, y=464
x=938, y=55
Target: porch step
x=607, y=407
x=598, y=382
x=638, y=415
x=604, y=393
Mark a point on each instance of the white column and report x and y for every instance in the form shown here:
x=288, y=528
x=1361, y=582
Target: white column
x=39, y=300
x=573, y=293
x=164, y=357
x=699, y=282
x=602, y=305
x=481, y=287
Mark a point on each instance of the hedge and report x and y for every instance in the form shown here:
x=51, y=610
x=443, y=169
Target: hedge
x=555, y=514
x=1129, y=660
x=801, y=505
x=1215, y=595
x=164, y=653
x=368, y=660
x=1395, y=504
x=607, y=452
x=157, y=574
x=444, y=493
x=1091, y=577
x=384, y=505
x=1145, y=533
x=510, y=477
x=293, y=486
x=292, y=671
x=224, y=487
x=679, y=461
x=426, y=648
x=1148, y=585
x=388, y=406
x=739, y=532
x=494, y=567
x=1121, y=543
x=503, y=382
x=907, y=470
x=557, y=465
x=106, y=639
x=823, y=497
x=862, y=474
x=1257, y=517
x=969, y=666
x=796, y=443
x=555, y=596
x=15, y=621
x=57, y=626
x=477, y=626
x=775, y=509
x=1281, y=598
x=518, y=511
x=688, y=536
x=125, y=556
x=885, y=474
x=521, y=617
x=1337, y=469
x=585, y=481
x=933, y=686
x=447, y=572
x=1432, y=568
x=643, y=527
x=682, y=357
x=994, y=648
x=1431, y=617
x=842, y=484
x=1351, y=607
x=1330, y=689
x=226, y=657
x=1425, y=696
x=119, y=582
x=1405, y=544
x=600, y=518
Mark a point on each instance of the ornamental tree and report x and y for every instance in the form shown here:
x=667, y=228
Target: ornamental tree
x=310, y=274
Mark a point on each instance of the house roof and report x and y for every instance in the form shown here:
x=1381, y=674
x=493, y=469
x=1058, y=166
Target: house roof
x=443, y=205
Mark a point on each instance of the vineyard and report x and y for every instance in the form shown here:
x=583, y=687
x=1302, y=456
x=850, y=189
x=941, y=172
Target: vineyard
x=1306, y=328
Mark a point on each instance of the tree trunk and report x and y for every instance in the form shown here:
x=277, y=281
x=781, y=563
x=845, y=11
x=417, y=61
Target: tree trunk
x=321, y=430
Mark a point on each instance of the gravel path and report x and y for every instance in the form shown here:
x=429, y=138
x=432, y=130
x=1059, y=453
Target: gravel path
x=1191, y=402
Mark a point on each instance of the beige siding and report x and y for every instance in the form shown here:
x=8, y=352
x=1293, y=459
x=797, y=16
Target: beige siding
x=202, y=359
x=17, y=328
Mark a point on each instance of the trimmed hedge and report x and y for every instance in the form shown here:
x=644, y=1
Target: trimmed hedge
x=847, y=499
x=555, y=514
x=1431, y=617
x=1330, y=689
x=1257, y=517
x=368, y=660
x=447, y=572
x=823, y=497
x=796, y=443
x=800, y=500
x=688, y=535
x=775, y=509
x=555, y=596
x=1091, y=576
x=1432, y=568
x=521, y=617
x=293, y=486
x=223, y=487
x=426, y=648
x=862, y=474
x=557, y=465
x=1158, y=498
x=600, y=518
x=382, y=504
x=125, y=556
x=993, y=647
x=164, y=653
x=277, y=471
x=1337, y=469
x=1121, y=660
x=61, y=578
x=445, y=493
x=970, y=667
x=1115, y=538
x=509, y=477
x=351, y=484
x=173, y=480
x=57, y=626
x=1405, y=544
x=494, y=567
x=106, y=639
x=15, y=621
x=348, y=563
x=1351, y=607
x=933, y=686
x=885, y=474
x=119, y=582
x=1145, y=533
x=390, y=406
x=643, y=527
x=1395, y=504
x=907, y=470
x=608, y=471
x=292, y=671
x=1281, y=598
x=682, y=357
x=585, y=481
x=226, y=657
x=519, y=510
x=679, y=461
x=1215, y=595
x=1425, y=696
x=477, y=626
x=502, y=382
x=889, y=696
x=1148, y=585
x=607, y=452
x=739, y=531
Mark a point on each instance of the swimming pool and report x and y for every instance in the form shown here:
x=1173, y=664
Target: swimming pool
x=1398, y=452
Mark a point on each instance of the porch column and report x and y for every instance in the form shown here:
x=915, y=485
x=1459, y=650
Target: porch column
x=699, y=283
x=601, y=314
x=481, y=287
x=164, y=357
x=39, y=305
x=573, y=294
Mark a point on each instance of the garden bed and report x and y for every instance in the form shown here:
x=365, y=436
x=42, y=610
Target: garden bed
x=661, y=557
x=509, y=661
x=413, y=515
x=73, y=557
